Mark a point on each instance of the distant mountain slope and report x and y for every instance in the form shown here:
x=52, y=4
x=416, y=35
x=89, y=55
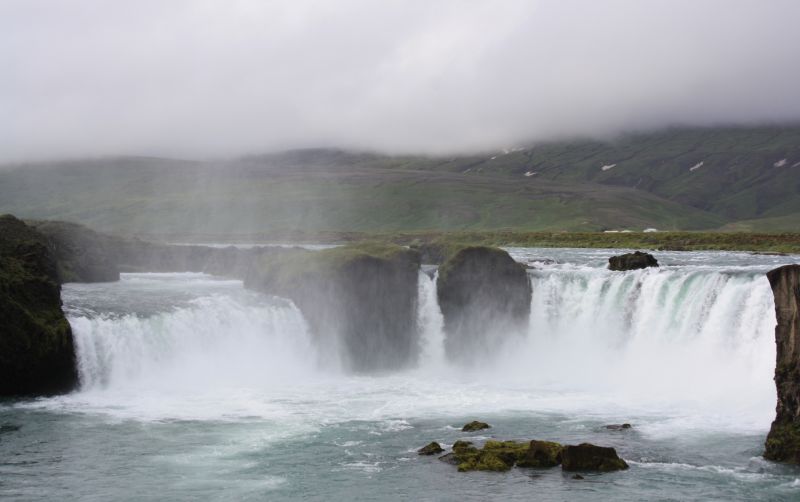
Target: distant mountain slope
x=679, y=179
x=737, y=173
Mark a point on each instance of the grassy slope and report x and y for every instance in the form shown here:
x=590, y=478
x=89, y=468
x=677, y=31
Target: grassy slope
x=738, y=187
x=156, y=197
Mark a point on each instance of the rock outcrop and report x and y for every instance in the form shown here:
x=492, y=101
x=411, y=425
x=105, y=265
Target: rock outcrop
x=432, y=448
x=632, y=261
x=483, y=294
x=589, y=457
x=82, y=255
x=783, y=441
x=541, y=454
x=475, y=425
x=503, y=455
x=359, y=301
x=37, y=355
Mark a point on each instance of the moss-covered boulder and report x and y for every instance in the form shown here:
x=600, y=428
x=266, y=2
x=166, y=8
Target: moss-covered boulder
x=632, y=261
x=432, y=448
x=484, y=295
x=360, y=301
x=589, y=457
x=37, y=355
x=541, y=454
x=475, y=425
x=503, y=455
x=494, y=456
x=783, y=441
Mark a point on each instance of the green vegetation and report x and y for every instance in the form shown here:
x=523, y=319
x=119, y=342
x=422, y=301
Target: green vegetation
x=475, y=425
x=36, y=351
x=743, y=179
x=664, y=241
x=783, y=443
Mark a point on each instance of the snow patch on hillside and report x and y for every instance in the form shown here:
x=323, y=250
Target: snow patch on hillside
x=697, y=166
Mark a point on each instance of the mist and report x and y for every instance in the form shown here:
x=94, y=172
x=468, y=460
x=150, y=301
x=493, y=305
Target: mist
x=216, y=79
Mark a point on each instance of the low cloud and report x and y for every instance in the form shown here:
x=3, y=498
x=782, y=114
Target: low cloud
x=218, y=78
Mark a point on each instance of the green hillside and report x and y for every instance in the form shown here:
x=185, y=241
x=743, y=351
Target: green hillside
x=743, y=183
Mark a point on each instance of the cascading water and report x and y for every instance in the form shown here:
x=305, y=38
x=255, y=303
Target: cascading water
x=654, y=336
x=194, y=387
x=195, y=332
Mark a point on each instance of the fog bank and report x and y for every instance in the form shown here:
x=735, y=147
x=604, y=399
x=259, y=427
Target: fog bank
x=204, y=79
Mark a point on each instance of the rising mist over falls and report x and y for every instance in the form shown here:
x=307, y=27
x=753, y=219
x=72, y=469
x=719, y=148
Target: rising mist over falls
x=695, y=335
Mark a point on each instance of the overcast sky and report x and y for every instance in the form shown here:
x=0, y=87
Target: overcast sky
x=196, y=78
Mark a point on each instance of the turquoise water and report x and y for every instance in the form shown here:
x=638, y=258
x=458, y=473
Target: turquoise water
x=193, y=388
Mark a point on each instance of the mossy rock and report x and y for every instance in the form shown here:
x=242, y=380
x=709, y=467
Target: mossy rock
x=495, y=456
x=783, y=443
x=37, y=354
x=474, y=426
x=541, y=454
x=431, y=448
x=589, y=457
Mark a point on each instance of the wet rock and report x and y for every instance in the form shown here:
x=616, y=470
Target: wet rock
x=541, y=454
x=360, y=301
x=632, y=261
x=783, y=441
x=450, y=458
x=577, y=476
x=496, y=456
x=588, y=457
x=37, y=353
x=475, y=426
x=484, y=295
x=618, y=427
x=432, y=448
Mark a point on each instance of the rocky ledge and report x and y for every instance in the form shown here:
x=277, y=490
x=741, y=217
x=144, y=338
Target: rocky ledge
x=37, y=355
x=359, y=300
x=483, y=293
x=783, y=441
x=501, y=456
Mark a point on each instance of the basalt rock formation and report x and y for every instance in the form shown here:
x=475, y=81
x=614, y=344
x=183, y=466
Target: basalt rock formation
x=37, y=355
x=589, y=457
x=475, y=425
x=503, y=455
x=359, y=301
x=483, y=293
x=632, y=261
x=783, y=441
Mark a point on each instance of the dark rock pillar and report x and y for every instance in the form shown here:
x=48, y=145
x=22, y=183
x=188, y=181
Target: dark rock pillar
x=783, y=441
x=484, y=295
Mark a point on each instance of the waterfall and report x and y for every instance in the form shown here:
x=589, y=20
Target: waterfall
x=223, y=338
x=670, y=334
x=656, y=336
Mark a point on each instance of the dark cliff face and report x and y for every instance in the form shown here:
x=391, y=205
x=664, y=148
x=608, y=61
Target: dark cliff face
x=483, y=294
x=783, y=441
x=37, y=354
x=359, y=301
x=82, y=254
x=632, y=261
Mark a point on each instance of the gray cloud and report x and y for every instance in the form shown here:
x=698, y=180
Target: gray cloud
x=214, y=78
